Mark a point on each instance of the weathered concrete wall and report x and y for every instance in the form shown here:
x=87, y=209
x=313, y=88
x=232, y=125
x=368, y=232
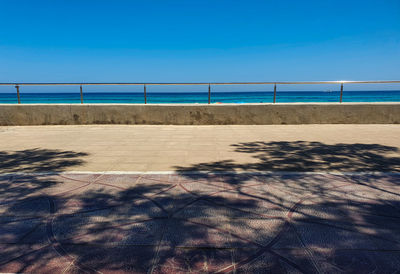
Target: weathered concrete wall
x=257, y=114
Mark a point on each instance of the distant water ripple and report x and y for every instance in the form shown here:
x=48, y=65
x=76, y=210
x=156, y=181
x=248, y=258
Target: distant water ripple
x=197, y=97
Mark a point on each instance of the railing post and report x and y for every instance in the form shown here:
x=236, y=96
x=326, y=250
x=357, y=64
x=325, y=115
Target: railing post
x=209, y=94
x=145, y=95
x=81, y=95
x=19, y=99
x=341, y=93
x=274, y=93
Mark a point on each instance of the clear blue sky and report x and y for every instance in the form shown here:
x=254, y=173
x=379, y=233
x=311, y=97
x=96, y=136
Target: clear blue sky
x=216, y=40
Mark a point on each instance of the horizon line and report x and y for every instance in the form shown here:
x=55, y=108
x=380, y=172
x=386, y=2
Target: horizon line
x=202, y=83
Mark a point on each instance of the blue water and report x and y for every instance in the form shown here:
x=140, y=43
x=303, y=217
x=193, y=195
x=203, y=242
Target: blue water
x=197, y=97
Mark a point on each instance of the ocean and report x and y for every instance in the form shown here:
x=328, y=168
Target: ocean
x=201, y=97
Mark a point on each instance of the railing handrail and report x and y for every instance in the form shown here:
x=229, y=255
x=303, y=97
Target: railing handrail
x=144, y=84
x=209, y=83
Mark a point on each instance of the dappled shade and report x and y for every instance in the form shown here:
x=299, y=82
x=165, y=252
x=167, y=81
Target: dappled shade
x=205, y=221
x=164, y=223
x=39, y=160
x=306, y=156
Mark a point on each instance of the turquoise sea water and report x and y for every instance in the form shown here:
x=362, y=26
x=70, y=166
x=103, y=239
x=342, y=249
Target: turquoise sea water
x=202, y=97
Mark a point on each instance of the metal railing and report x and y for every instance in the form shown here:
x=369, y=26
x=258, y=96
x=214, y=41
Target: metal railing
x=17, y=85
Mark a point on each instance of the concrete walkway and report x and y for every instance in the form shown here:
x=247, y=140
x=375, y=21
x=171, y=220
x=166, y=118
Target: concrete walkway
x=304, y=223
x=221, y=148
x=179, y=199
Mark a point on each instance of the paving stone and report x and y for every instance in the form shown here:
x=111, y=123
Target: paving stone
x=82, y=230
x=299, y=260
x=43, y=260
x=173, y=199
x=181, y=233
x=32, y=206
x=326, y=236
x=263, y=206
x=165, y=223
x=259, y=231
x=111, y=259
x=263, y=263
x=196, y=260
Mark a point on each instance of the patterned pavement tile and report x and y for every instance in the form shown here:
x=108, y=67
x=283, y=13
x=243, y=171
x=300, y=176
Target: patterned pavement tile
x=32, y=206
x=259, y=231
x=181, y=233
x=173, y=199
x=43, y=260
x=361, y=261
x=110, y=259
x=87, y=230
x=328, y=236
x=265, y=263
x=264, y=206
x=193, y=260
x=172, y=223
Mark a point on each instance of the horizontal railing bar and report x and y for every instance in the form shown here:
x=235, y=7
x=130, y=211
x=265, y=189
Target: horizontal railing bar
x=208, y=83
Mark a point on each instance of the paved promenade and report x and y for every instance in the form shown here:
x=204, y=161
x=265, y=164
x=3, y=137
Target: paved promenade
x=219, y=148
x=304, y=223
x=212, y=199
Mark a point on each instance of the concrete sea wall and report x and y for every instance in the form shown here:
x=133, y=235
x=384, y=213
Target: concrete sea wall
x=195, y=114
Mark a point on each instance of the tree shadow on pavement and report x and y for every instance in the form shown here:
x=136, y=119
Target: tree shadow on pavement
x=39, y=160
x=204, y=221
x=305, y=223
x=305, y=156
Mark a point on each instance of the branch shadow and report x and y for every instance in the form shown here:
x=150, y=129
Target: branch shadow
x=207, y=222
x=144, y=225
x=302, y=156
x=39, y=160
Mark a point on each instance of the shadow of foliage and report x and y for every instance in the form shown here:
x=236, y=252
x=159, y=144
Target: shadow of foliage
x=39, y=160
x=207, y=222
x=144, y=223
x=307, y=156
